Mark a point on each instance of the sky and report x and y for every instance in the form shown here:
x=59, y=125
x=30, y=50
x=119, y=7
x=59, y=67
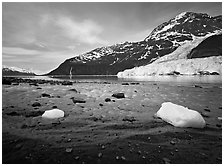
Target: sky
x=40, y=36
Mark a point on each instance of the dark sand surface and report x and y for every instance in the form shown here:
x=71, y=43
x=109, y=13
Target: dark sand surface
x=119, y=131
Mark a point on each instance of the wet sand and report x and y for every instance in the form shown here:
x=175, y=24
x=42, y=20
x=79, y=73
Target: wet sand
x=117, y=131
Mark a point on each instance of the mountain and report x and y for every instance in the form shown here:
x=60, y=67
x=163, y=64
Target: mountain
x=163, y=40
x=202, y=56
x=15, y=71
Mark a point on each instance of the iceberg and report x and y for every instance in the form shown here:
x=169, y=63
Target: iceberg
x=180, y=116
x=52, y=114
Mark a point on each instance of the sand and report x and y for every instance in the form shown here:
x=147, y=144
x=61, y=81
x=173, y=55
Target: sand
x=118, y=131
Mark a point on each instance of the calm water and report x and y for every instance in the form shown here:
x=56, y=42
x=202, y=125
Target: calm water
x=217, y=79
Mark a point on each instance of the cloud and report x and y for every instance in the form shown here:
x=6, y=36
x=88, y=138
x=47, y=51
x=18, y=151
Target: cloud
x=18, y=51
x=86, y=31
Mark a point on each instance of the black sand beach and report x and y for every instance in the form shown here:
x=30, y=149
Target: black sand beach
x=106, y=129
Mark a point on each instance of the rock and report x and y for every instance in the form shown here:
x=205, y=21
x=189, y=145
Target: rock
x=149, y=138
x=73, y=90
x=123, y=158
x=54, y=106
x=166, y=160
x=129, y=119
x=36, y=104
x=76, y=157
x=15, y=83
x=117, y=157
x=13, y=113
x=172, y=142
x=6, y=82
x=219, y=118
x=208, y=110
x=204, y=114
x=197, y=86
x=101, y=104
x=68, y=150
x=45, y=95
x=118, y=95
x=33, y=84
x=107, y=100
x=77, y=100
x=102, y=147
x=100, y=155
x=66, y=83
x=214, y=73
x=69, y=140
x=134, y=83
x=54, y=113
x=38, y=88
x=125, y=83
x=180, y=116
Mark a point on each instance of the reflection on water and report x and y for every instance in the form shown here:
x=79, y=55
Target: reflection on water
x=163, y=79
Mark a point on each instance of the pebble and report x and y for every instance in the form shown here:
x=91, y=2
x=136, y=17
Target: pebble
x=100, y=155
x=166, y=160
x=208, y=110
x=76, y=157
x=36, y=104
x=172, y=142
x=68, y=150
x=123, y=158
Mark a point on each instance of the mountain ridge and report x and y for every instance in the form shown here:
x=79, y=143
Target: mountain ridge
x=163, y=40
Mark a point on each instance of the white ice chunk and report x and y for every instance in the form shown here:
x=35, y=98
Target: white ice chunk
x=54, y=113
x=180, y=116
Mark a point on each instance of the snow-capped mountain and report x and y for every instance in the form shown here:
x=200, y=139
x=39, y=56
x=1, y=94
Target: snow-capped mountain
x=9, y=71
x=163, y=40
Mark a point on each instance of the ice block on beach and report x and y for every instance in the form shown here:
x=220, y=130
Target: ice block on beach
x=180, y=116
x=52, y=114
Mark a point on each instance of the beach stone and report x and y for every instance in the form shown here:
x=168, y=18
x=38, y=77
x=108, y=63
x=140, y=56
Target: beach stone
x=129, y=119
x=107, y=100
x=118, y=95
x=100, y=155
x=208, y=110
x=68, y=150
x=77, y=100
x=36, y=104
x=73, y=90
x=125, y=83
x=66, y=83
x=45, y=95
x=166, y=160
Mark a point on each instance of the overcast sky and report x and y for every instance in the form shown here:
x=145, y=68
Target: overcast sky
x=40, y=36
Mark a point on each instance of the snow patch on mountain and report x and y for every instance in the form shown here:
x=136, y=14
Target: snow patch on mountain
x=17, y=69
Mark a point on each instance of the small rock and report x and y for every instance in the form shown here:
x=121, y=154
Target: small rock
x=36, y=104
x=66, y=83
x=73, y=90
x=100, y=155
x=117, y=157
x=76, y=157
x=219, y=118
x=118, y=95
x=102, y=147
x=101, y=104
x=172, y=142
x=125, y=83
x=197, y=86
x=107, y=100
x=123, y=158
x=15, y=83
x=69, y=140
x=208, y=110
x=45, y=95
x=149, y=138
x=139, y=152
x=19, y=146
x=143, y=157
x=39, y=88
x=77, y=100
x=68, y=150
x=204, y=114
x=34, y=84
x=54, y=106
x=176, y=150
x=166, y=160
